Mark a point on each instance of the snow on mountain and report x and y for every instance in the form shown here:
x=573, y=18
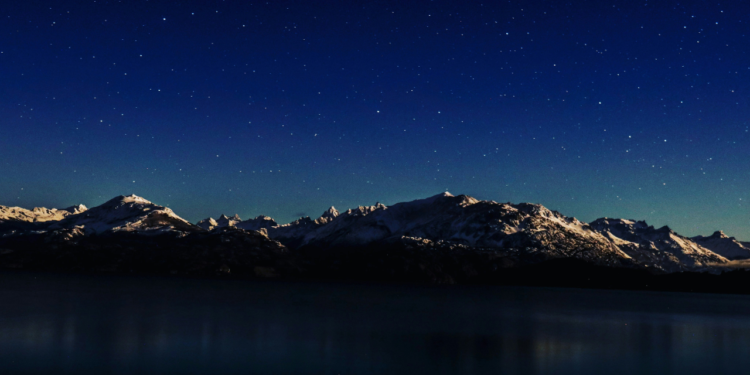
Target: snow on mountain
x=519, y=231
x=292, y=234
x=208, y=224
x=38, y=214
x=225, y=221
x=125, y=214
x=656, y=247
x=257, y=223
x=727, y=247
x=327, y=216
x=458, y=219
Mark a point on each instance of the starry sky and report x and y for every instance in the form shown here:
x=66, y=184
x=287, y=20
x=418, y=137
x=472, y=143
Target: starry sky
x=593, y=108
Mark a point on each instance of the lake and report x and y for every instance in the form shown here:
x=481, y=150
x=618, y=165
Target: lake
x=82, y=324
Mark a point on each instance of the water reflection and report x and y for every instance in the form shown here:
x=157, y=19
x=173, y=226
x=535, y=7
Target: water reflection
x=81, y=324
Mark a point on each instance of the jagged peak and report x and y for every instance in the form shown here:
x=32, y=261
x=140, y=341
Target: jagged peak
x=209, y=220
x=717, y=235
x=467, y=200
x=327, y=216
x=226, y=221
x=330, y=213
x=364, y=210
x=76, y=209
x=229, y=218
x=665, y=229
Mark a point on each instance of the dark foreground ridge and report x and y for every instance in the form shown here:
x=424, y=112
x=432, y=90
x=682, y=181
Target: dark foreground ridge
x=235, y=253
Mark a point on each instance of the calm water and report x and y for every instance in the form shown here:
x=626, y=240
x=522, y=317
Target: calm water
x=120, y=325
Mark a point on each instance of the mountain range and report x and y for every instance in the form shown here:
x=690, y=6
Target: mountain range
x=443, y=238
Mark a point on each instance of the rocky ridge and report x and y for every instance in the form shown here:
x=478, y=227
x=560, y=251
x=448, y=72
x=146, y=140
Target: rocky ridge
x=476, y=237
x=38, y=214
x=725, y=246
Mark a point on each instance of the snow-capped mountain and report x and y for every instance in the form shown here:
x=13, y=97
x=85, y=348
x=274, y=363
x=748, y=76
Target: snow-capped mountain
x=224, y=221
x=725, y=246
x=656, y=247
x=125, y=214
x=257, y=223
x=292, y=234
x=207, y=223
x=519, y=233
x=327, y=216
x=487, y=224
x=456, y=219
x=38, y=214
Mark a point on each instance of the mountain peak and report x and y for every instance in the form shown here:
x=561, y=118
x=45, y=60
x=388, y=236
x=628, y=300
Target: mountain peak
x=132, y=198
x=330, y=213
x=719, y=234
x=724, y=245
x=76, y=209
x=327, y=216
x=125, y=213
x=226, y=221
x=208, y=223
x=258, y=223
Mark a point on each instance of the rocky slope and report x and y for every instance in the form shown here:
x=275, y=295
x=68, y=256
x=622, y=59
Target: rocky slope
x=661, y=248
x=725, y=246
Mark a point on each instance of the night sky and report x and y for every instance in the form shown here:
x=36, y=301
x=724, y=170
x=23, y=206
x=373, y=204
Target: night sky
x=620, y=109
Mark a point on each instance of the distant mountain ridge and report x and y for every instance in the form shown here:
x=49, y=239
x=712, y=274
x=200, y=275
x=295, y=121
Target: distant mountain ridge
x=38, y=214
x=515, y=234
x=728, y=247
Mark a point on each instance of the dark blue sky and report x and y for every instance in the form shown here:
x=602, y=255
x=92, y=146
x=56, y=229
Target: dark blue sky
x=284, y=108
